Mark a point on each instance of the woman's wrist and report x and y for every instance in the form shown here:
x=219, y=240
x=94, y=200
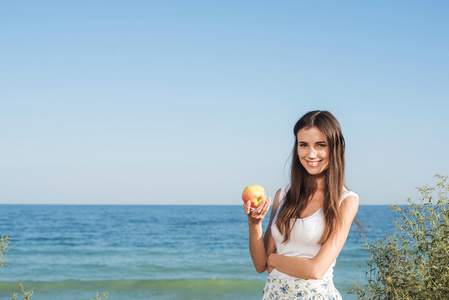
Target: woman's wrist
x=254, y=222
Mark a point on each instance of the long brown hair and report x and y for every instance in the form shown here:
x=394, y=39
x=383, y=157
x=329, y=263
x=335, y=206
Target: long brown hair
x=303, y=185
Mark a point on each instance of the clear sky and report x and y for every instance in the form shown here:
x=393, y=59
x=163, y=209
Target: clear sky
x=187, y=102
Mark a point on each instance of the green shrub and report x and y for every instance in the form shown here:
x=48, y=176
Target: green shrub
x=413, y=262
x=4, y=243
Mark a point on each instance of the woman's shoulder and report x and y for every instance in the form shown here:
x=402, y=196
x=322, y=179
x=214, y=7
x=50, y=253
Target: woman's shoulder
x=352, y=201
x=285, y=188
x=346, y=193
x=283, y=191
x=280, y=196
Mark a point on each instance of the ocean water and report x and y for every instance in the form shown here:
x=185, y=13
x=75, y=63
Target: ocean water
x=149, y=252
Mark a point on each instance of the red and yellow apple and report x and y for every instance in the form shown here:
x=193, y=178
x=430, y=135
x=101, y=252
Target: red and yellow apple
x=255, y=194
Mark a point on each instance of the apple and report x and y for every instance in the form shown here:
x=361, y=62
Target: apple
x=254, y=193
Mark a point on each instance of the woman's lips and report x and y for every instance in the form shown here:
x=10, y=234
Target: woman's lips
x=313, y=163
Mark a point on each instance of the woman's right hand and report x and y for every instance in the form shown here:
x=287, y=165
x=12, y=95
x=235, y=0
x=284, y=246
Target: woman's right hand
x=255, y=216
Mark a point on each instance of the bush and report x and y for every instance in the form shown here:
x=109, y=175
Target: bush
x=413, y=262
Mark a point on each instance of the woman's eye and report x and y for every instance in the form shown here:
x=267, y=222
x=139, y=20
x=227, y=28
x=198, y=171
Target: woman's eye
x=321, y=145
x=302, y=145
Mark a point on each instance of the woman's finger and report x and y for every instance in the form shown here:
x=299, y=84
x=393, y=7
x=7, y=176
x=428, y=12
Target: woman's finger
x=261, y=211
x=247, y=206
x=258, y=210
x=266, y=205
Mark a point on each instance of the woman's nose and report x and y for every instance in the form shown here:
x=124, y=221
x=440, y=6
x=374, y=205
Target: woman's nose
x=312, y=152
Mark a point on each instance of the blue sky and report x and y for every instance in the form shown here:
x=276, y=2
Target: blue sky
x=187, y=102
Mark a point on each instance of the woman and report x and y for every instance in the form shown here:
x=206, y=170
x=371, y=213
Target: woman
x=310, y=219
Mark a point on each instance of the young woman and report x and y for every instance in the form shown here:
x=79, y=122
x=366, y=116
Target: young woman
x=310, y=218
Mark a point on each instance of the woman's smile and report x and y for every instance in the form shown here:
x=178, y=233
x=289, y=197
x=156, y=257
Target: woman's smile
x=313, y=163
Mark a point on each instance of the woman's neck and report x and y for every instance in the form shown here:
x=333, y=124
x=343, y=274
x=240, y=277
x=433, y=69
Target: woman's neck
x=320, y=182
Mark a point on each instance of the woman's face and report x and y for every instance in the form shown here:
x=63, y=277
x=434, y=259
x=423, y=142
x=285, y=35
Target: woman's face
x=313, y=151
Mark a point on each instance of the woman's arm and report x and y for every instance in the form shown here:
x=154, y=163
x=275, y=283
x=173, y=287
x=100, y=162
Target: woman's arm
x=268, y=237
x=316, y=267
x=261, y=246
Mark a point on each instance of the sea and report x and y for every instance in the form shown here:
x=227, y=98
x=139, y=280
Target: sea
x=73, y=252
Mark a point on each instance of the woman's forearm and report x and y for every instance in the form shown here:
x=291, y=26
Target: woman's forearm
x=257, y=247
x=299, y=267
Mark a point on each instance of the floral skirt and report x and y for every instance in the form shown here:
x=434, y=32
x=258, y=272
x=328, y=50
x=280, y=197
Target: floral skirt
x=301, y=289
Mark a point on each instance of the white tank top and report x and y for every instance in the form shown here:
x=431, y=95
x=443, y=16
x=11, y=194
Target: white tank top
x=304, y=237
